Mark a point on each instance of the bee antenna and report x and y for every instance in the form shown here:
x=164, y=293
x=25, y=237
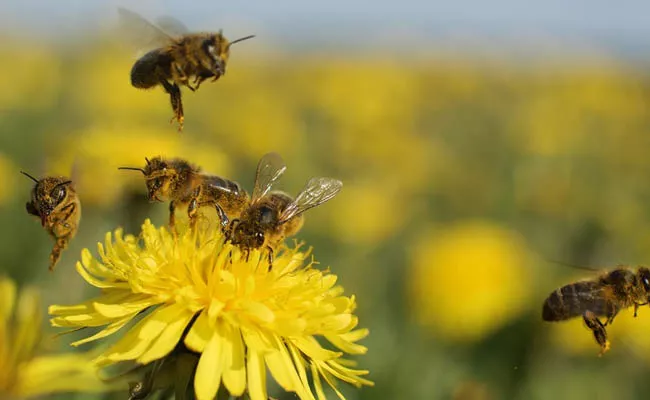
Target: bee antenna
x=63, y=184
x=133, y=169
x=240, y=40
x=573, y=265
x=29, y=176
x=147, y=160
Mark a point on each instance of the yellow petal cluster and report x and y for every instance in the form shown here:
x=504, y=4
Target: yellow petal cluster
x=241, y=315
x=24, y=373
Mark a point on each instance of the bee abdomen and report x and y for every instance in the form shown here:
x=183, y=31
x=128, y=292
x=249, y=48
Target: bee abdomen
x=146, y=71
x=229, y=186
x=573, y=300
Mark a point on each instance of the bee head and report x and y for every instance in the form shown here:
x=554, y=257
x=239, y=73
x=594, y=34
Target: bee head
x=644, y=278
x=266, y=216
x=47, y=194
x=158, y=174
x=218, y=49
x=247, y=234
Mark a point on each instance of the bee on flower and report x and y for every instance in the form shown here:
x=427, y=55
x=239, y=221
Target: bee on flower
x=219, y=318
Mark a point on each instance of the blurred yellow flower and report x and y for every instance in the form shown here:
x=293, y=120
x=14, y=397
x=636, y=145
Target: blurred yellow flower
x=240, y=315
x=469, y=279
x=375, y=214
x=24, y=373
x=32, y=78
x=103, y=88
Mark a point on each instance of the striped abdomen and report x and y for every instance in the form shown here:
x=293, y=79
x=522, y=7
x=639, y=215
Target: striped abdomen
x=147, y=70
x=575, y=299
x=228, y=194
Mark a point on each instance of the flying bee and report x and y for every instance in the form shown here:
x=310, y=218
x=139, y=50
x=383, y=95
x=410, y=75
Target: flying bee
x=274, y=215
x=181, y=59
x=184, y=184
x=55, y=201
x=604, y=296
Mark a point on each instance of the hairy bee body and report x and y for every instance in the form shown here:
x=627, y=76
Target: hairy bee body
x=264, y=217
x=272, y=216
x=183, y=184
x=185, y=59
x=604, y=296
x=147, y=69
x=230, y=195
x=193, y=56
x=55, y=201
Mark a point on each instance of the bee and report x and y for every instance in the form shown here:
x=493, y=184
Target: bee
x=272, y=216
x=184, y=184
x=604, y=296
x=182, y=59
x=55, y=201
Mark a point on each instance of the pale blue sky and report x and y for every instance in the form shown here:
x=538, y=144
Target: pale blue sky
x=622, y=24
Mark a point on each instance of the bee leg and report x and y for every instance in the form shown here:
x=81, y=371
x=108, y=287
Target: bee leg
x=231, y=227
x=198, y=81
x=598, y=329
x=192, y=211
x=59, y=246
x=637, y=306
x=223, y=218
x=70, y=209
x=172, y=217
x=610, y=317
x=176, y=101
x=192, y=88
x=270, y=256
x=182, y=77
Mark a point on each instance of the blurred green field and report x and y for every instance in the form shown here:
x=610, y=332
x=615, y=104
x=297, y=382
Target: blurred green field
x=464, y=179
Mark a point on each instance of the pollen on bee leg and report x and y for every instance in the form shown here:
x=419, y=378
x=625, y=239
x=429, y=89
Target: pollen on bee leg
x=604, y=348
x=598, y=330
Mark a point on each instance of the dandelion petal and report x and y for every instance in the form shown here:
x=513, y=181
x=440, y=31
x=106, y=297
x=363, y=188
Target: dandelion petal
x=208, y=372
x=198, y=336
x=167, y=340
x=234, y=375
x=256, y=376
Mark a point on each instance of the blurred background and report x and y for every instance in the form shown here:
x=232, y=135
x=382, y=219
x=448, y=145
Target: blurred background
x=484, y=147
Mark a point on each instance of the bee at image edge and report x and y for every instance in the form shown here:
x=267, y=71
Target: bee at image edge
x=55, y=201
x=274, y=215
x=604, y=296
x=183, y=184
x=180, y=58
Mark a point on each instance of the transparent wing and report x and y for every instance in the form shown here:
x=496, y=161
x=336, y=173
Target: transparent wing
x=171, y=26
x=269, y=169
x=316, y=192
x=142, y=33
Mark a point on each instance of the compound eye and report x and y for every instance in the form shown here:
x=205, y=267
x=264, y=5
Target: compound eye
x=646, y=283
x=58, y=193
x=266, y=215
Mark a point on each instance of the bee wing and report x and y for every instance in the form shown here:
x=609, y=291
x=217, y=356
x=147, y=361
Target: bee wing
x=145, y=34
x=269, y=169
x=171, y=26
x=75, y=170
x=316, y=192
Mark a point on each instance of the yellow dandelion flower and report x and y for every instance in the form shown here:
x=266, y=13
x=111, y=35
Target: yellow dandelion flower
x=238, y=314
x=481, y=260
x=25, y=373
